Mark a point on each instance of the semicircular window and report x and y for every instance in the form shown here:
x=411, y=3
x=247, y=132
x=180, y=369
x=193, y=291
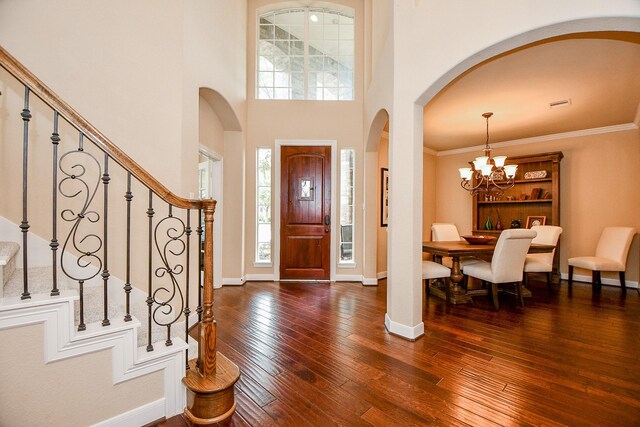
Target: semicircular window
x=305, y=53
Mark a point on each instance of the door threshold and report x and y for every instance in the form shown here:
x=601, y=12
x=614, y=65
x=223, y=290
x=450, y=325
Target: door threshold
x=306, y=280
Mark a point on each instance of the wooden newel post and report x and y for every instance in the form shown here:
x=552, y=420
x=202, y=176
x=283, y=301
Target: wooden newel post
x=210, y=378
x=207, y=334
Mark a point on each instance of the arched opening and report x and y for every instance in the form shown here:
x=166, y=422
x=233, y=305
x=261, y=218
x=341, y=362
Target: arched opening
x=397, y=298
x=216, y=122
x=376, y=160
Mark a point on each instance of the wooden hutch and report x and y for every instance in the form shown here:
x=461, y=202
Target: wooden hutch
x=536, y=195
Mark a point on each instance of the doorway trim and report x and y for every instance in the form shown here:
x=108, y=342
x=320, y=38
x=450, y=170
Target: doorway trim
x=276, y=203
x=215, y=164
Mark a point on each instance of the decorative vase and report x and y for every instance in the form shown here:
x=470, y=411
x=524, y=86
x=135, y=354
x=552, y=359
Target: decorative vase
x=488, y=225
x=499, y=224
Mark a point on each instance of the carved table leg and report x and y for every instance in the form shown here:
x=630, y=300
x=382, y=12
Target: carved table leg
x=457, y=294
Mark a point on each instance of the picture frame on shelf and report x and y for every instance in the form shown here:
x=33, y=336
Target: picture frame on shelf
x=536, y=220
x=384, y=197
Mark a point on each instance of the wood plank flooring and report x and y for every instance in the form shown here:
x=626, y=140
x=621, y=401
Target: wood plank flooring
x=318, y=354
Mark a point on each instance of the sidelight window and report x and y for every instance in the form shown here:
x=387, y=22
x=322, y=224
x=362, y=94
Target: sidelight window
x=347, y=181
x=263, y=206
x=306, y=53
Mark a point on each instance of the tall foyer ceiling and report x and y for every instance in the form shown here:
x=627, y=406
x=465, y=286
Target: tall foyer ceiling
x=598, y=72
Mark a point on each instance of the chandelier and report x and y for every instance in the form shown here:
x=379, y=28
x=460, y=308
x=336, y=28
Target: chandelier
x=490, y=175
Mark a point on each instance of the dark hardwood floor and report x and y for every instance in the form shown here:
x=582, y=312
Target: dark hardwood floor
x=318, y=354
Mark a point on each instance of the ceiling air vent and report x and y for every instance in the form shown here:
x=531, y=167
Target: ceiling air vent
x=559, y=104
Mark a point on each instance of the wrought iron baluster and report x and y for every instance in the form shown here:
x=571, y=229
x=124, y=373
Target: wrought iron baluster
x=105, y=273
x=168, y=297
x=150, y=272
x=127, y=286
x=24, y=225
x=81, y=325
x=55, y=140
x=78, y=183
x=187, y=310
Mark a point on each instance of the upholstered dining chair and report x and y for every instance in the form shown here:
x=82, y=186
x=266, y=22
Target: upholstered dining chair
x=443, y=232
x=611, y=255
x=542, y=263
x=447, y=232
x=507, y=264
x=434, y=270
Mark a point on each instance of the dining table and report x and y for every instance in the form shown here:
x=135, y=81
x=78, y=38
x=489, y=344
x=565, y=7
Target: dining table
x=454, y=292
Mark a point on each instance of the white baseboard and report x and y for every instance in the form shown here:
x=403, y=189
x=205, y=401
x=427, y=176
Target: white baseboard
x=381, y=275
x=605, y=280
x=62, y=341
x=369, y=281
x=260, y=277
x=138, y=416
x=231, y=281
x=348, y=278
x=408, y=332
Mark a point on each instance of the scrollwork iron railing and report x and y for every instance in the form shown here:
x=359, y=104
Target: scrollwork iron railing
x=81, y=218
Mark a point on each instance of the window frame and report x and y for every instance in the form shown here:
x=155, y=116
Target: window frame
x=257, y=261
x=340, y=88
x=347, y=262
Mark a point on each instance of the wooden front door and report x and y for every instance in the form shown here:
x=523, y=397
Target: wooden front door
x=305, y=221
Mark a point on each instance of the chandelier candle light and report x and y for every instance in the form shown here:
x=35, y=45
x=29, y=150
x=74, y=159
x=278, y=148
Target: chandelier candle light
x=491, y=175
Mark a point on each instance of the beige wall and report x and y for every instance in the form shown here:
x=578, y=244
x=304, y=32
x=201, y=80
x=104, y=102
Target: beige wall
x=136, y=76
x=268, y=121
x=429, y=184
x=383, y=162
x=422, y=64
x=597, y=189
x=71, y=392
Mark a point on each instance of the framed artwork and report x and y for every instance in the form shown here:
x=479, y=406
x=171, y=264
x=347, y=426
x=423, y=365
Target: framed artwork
x=536, y=220
x=384, y=197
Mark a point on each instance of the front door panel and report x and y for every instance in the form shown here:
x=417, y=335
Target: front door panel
x=305, y=239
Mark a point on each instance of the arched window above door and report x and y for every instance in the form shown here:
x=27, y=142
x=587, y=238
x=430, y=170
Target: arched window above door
x=305, y=53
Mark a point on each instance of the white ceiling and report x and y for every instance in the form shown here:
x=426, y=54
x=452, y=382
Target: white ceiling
x=598, y=72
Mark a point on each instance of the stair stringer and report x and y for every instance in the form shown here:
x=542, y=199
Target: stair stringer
x=129, y=361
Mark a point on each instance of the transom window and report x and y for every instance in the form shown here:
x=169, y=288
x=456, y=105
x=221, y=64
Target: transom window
x=305, y=53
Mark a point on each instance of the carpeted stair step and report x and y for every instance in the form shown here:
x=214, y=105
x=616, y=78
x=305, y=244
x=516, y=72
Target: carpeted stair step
x=8, y=252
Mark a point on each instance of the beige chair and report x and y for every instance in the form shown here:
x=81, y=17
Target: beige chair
x=507, y=264
x=433, y=270
x=542, y=263
x=611, y=255
x=446, y=232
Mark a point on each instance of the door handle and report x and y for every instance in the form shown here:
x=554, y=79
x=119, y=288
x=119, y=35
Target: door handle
x=327, y=220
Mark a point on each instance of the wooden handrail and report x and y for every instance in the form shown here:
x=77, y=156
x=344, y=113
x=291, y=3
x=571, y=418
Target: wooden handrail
x=49, y=97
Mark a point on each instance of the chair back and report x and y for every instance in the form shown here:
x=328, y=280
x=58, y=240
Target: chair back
x=444, y=232
x=508, y=257
x=614, y=243
x=546, y=235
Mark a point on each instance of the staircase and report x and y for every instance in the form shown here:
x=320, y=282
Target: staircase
x=108, y=282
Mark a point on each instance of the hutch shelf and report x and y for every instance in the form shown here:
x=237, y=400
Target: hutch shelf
x=539, y=197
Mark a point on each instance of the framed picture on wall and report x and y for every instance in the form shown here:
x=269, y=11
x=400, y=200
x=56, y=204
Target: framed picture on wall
x=384, y=197
x=536, y=220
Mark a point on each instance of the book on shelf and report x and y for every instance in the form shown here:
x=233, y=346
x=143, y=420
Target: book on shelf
x=535, y=193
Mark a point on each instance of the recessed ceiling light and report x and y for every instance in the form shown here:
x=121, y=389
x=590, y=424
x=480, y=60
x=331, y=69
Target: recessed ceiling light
x=561, y=103
x=314, y=18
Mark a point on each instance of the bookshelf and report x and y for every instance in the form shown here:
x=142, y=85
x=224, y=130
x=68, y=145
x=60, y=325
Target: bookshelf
x=516, y=203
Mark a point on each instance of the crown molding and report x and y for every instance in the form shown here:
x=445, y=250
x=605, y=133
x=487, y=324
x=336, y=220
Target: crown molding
x=431, y=151
x=636, y=121
x=545, y=138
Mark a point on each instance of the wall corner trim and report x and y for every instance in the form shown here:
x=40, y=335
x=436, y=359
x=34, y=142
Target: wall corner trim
x=404, y=331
